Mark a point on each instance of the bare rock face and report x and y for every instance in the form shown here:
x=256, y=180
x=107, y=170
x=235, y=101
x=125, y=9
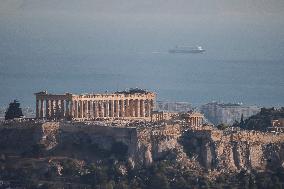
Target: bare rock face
x=233, y=151
x=212, y=150
x=156, y=143
x=148, y=156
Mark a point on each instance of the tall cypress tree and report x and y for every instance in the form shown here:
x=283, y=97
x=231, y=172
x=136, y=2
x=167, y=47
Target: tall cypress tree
x=14, y=111
x=242, y=123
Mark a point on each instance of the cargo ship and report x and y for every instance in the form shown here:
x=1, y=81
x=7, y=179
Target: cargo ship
x=187, y=49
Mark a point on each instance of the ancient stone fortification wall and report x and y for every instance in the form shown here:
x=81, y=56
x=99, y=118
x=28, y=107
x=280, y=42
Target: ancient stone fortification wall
x=18, y=137
x=82, y=137
x=227, y=150
x=77, y=139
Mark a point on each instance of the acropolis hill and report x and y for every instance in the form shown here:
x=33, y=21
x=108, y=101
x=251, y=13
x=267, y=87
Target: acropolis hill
x=90, y=128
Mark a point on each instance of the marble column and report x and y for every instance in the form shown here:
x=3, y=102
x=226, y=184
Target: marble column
x=131, y=108
x=91, y=109
x=52, y=108
x=84, y=107
x=67, y=111
x=62, y=108
x=137, y=108
x=37, y=108
x=146, y=108
x=81, y=110
x=142, y=108
x=151, y=105
x=47, y=108
x=56, y=108
x=126, y=111
x=85, y=111
x=41, y=109
x=122, y=114
x=75, y=109
x=116, y=108
x=102, y=109
x=99, y=108
x=96, y=109
x=107, y=108
x=111, y=108
x=71, y=109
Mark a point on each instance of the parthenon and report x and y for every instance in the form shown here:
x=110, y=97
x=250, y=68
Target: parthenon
x=130, y=104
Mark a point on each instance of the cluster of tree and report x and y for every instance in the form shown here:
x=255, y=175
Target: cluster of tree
x=160, y=175
x=262, y=120
x=13, y=111
x=222, y=126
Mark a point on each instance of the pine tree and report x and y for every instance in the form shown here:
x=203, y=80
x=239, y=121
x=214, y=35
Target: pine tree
x=13, y=111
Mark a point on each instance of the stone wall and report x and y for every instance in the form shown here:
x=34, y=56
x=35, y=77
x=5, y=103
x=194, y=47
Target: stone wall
x=16, y=139
x=78, y=139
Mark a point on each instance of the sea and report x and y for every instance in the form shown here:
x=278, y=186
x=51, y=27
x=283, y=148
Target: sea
x=194, y=78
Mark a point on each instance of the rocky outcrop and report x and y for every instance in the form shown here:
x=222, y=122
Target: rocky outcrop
x=233, y=151
x=19, y=137
x=156, y=143
x=213, y=150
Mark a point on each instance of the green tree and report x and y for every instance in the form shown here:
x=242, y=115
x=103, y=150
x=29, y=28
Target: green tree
x=222, y=126
x=159, y=181
x=119, y=149
x=242, y=123
x=13, y=111
x=181, y=183
x=37, y=150
x=69, y=167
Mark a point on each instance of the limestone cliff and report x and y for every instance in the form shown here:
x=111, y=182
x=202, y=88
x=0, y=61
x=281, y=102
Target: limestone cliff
x=213, y=150
x=232, y=151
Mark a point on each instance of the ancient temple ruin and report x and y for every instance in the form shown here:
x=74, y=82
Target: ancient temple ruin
x=126, y=104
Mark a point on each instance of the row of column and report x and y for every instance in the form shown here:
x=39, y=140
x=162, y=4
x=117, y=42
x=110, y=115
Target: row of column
x=196, y=121
x=49, y=108
x=111, y=108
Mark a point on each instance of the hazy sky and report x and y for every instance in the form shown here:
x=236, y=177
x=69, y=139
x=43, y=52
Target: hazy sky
x=226, y=7
x=69, y=26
